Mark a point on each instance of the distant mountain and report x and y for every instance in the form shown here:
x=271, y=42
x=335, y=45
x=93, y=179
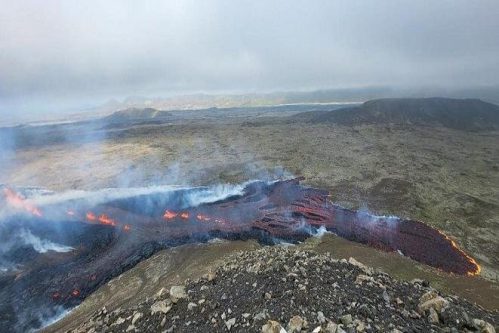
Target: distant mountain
x=135, y=116
x=462, y=114
x=131, y=114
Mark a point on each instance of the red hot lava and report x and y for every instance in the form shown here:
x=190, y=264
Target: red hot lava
x=16, y=201
x=267, y=212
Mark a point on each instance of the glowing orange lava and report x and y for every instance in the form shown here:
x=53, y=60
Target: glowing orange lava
x=17, y=201
x=478, y=269
x=169, y=215
x=106, y=220
x=91, y=216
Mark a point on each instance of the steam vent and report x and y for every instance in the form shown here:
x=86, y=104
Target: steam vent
x=101, y=238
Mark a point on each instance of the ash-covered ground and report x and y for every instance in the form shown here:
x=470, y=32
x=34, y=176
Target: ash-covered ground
x=282, y=289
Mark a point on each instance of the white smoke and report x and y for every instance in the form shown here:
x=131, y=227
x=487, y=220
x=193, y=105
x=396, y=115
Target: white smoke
x=193, y=198
x=213, y=194
x=45, y=321
x=321, y=231
x=368, y=217
x=41, y=245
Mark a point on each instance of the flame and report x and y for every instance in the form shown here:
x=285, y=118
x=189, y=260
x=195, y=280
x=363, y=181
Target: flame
x=126, y=227
x=91, y=216
x=17, y=201
x=184, y=215
x=169, y=215
x=477, y=269
x=75, y=293
x=106, y=220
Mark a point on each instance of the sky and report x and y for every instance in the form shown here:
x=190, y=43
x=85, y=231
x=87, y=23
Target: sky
x=58, y=55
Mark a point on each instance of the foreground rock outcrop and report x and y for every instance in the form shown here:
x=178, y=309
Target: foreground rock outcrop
x=279, y=289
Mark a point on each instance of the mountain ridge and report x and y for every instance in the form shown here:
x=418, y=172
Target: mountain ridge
x=461, y=114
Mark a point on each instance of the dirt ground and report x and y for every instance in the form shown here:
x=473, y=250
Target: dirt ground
x=447, y=178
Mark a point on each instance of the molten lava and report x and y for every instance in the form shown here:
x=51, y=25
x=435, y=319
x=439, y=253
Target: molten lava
x=106, y=220
x=283, y=210
x=16, y=201
x=169, y=215
x=91, y=216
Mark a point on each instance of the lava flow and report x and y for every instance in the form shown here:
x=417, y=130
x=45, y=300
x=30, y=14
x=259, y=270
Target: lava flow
x=126, y=231
x=16, y=201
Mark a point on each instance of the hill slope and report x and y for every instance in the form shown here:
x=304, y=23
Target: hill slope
x=278, y=289
x=132, y=114
x=462, y=114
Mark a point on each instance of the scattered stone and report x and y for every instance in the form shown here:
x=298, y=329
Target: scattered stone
x=361, y=278
x=160, y=306
x=272, y=327
x=433, y=316
x=346, y=319
x=177, y=292
x=361, y=326
x=210, y=276
x=438, y=303
x=136, y=317
x=484, y=326
x=119, y=321
x=261, y=315
x=359, y=301
x=331, y=327
x=295, y=324
x=229, y=323
x=320, y=317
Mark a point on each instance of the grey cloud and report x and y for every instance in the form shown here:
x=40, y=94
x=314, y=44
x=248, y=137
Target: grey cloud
x=68, y=52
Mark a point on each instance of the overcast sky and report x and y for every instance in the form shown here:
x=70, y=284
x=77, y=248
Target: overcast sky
x=74, y=53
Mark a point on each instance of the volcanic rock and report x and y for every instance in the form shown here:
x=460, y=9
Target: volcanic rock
x=437, y=303
x=160, y=306
x=177, y=292
x=320, y=317
x=295, y=324
x=272, y=327
x=346, y=319
x=229, y=323
x=330, y=286
x=433, y=316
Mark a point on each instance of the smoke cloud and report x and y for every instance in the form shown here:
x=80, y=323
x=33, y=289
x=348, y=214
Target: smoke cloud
x=41, y=245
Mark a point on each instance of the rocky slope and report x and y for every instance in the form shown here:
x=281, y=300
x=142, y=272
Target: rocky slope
x=461, y=114
x=279, y=289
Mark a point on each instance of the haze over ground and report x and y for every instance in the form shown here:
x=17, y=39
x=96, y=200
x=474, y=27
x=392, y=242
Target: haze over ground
x=60, y=56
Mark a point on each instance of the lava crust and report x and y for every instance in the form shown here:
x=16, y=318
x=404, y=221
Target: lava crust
x=113, y=236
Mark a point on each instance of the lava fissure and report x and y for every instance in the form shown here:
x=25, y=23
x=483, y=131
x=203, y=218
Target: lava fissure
x=112, y=237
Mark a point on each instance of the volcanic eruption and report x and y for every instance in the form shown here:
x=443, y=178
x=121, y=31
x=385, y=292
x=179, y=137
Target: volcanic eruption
x=110, y=235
